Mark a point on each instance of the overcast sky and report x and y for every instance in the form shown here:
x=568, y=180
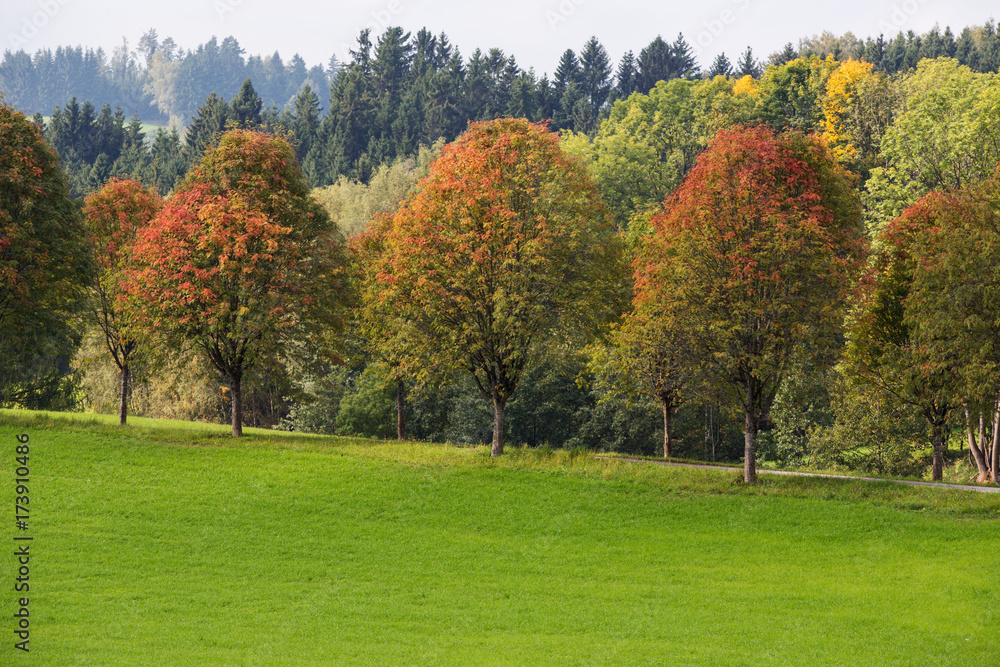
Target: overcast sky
x=536, y=32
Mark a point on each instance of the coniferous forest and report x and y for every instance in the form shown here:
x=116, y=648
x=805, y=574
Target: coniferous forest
x=887, y=145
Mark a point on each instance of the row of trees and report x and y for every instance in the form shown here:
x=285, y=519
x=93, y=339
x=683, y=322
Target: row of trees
x=160, y=81
x=404, y=91
x=156, y=80
x=939, y=115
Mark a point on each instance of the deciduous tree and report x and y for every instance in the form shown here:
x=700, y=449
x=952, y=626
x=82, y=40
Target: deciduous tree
x=506, y=247
x=242, y=262
x=44, y=260
x=115, y=214
x=754, y=254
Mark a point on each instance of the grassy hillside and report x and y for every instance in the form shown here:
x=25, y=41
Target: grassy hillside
x=169, y=543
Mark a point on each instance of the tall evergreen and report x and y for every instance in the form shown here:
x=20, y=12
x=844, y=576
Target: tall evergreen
x=246, y=106
x=656, y=63
x=567, y=72
x=683, y=59
x=787, y=54
x=626, y=78
x=747, y=65
x=209, y=121
x=595, y=74
x=720, y=67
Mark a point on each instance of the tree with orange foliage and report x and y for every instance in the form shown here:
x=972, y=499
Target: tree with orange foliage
x=44, y=263
x=751, y=258
x=241, y=261
x=506, y=247
x=115, y=213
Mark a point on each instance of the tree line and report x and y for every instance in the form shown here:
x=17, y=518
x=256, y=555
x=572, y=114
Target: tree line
x=395, y=93
x=815, y=394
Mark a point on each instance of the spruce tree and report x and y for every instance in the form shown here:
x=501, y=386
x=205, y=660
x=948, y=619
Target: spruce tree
x=747, y=65
x=720, y=67
x=683, y=59
x=595, y=74
x=656, y=63
x=246, y=106
x=626, y=78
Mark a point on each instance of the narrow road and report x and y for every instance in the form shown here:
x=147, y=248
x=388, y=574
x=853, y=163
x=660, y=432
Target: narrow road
x=762, y=471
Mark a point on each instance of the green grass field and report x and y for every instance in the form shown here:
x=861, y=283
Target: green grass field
x=171, y=544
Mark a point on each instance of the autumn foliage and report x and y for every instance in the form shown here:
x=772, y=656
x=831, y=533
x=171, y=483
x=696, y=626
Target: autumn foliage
x=241, y=261
x=115, y=214
x=505, y=247
x=44, y=260
x=751, y=258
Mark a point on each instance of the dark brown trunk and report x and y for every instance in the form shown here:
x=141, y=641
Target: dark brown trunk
x=937, y=439
x=975, y=449
x=123, y=404
x=750, y=449
x=400, y=411
x=667, y=440
x=498, y=407
x=237, y=410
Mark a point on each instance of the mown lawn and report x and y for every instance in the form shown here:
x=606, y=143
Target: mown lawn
x=171, y=544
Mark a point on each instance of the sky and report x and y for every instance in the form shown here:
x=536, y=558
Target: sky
x=536, y=32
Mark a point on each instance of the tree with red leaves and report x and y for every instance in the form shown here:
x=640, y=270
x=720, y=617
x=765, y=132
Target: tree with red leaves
x=752, y=258
x=242, y=262
x=505, y=248
x=45, y=264
x=115, y=213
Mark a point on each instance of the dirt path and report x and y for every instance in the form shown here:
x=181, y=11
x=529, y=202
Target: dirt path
x=762, y=471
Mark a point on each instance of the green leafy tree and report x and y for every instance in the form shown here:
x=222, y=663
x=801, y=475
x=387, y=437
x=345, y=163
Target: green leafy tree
x=752, y=258
x=505, y=248
x=949, y=245
x=242, y=263
x=947, y=135
x=888, y=347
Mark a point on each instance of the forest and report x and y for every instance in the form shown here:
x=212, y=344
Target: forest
x=786, y=261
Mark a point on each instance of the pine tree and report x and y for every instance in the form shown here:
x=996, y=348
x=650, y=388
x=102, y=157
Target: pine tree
x=787, y=54
x=207, y=124
x=568, y=71
x=246, y=106
x=656, y=63
x=595, y=74
x=683, y=59
x=720, y=67
x=305, y=121
x=626, y=78
x=747, y=65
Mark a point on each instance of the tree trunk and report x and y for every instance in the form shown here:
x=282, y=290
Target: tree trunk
x=937, y=439
x=975, y=449
x=995, y=462
x=498, y=407
x=750, y=448
x=235, y=385
x=123, y=405
x=666, y=427
x=400, y=411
